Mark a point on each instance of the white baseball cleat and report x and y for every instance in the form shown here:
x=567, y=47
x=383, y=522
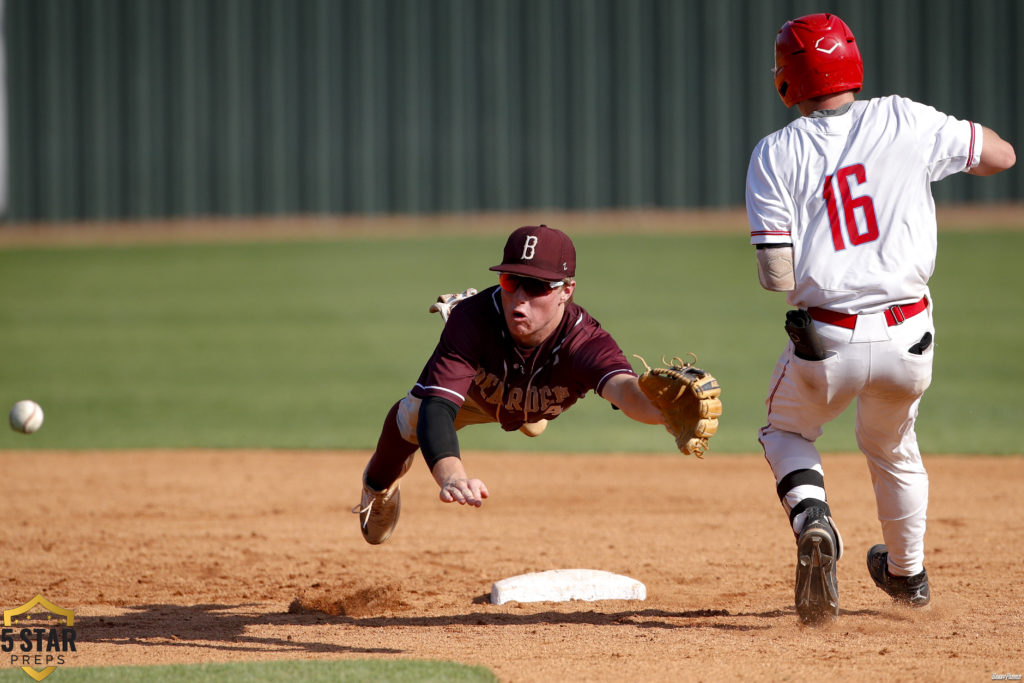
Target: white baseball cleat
x=378, y=512
x=446, y=302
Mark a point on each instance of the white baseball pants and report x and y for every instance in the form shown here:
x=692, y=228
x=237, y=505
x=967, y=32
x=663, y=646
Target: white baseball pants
x=871, y=364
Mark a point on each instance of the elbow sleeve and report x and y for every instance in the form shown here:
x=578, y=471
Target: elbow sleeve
x=775, y=267
x=435, y=430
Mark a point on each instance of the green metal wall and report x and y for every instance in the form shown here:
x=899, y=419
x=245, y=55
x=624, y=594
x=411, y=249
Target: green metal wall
x=137, y=108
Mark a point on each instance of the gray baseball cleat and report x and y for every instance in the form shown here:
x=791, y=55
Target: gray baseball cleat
x=817, y=551
x=906, y=590
x=378, y=512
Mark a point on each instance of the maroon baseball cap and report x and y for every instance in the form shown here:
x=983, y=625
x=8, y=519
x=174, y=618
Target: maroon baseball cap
x=540, y=252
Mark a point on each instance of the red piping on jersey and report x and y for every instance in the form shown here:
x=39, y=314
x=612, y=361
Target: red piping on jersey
x=763, y=233
x=771, y=396
x=894, y=315
x=970, y=154
x=764, y=451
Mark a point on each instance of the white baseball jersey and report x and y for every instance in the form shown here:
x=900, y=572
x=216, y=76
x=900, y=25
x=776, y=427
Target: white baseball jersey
x=851, y=192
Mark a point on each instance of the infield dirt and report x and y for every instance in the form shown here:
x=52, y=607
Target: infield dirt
x=199, y=556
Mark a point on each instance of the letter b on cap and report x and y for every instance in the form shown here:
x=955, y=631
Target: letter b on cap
x=529, y=248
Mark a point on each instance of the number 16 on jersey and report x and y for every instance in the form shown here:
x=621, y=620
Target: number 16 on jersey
x=844, y=178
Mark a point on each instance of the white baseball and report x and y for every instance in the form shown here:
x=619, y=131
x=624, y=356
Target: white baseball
x=26, y=417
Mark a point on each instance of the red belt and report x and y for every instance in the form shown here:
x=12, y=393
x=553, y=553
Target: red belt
x=894, y=315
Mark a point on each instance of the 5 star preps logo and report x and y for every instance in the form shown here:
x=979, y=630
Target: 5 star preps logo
x=38, y=634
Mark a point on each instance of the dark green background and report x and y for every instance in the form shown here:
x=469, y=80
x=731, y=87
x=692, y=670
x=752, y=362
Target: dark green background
x=125, y=108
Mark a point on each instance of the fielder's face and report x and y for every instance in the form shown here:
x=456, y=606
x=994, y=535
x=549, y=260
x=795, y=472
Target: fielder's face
x=533, y=316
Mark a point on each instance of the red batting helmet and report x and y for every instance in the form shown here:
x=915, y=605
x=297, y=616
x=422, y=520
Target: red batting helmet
x=816, y=55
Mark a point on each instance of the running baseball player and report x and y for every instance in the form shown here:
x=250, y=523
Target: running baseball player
x=842, y=219
x=517, y=354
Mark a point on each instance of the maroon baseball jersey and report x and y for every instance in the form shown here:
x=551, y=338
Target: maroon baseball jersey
x=477, y=358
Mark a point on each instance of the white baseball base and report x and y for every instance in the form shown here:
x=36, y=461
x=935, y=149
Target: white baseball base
x=561, y=585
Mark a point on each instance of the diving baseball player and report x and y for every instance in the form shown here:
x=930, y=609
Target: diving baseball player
x=842, y=217
x=519, y=353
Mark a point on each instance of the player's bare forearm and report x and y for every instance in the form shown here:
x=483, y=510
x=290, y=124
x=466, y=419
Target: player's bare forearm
x=624, y=392
x=996, y=154
x=456, y=485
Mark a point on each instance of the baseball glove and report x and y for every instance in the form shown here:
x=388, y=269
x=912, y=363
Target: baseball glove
x=688, y=398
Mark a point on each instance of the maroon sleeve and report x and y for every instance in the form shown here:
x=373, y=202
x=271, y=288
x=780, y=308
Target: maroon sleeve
x=597, y=358
x=451, y=368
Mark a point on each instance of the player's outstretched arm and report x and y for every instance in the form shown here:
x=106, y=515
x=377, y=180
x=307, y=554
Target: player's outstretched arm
x=456, y=485
x=624, y=392
x=996, y=154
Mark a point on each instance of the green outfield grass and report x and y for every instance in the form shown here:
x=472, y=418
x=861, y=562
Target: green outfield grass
x=307, y=344
x=271, y=672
